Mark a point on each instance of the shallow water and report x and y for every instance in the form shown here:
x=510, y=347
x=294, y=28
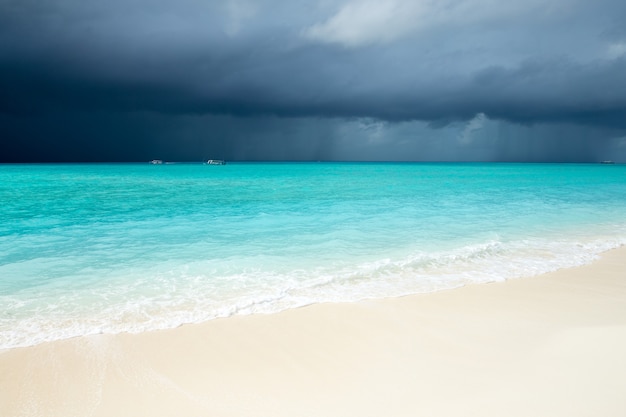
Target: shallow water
x=130, y=247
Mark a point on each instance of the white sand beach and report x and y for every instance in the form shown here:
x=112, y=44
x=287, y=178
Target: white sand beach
x=551, y=345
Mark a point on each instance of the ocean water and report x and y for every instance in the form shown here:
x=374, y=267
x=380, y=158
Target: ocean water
x=101, y=248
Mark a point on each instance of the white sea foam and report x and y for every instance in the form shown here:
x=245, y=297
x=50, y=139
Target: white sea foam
x=171, y=303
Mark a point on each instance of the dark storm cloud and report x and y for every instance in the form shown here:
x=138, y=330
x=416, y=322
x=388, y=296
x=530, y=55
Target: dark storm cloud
x=130, y=67
x=128, y=137
x=266, y=58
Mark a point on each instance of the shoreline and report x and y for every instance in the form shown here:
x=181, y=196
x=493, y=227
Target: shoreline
x=551, y=344
x=109, y=324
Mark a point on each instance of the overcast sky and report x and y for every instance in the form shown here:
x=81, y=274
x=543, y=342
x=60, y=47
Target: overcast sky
x=478, y=80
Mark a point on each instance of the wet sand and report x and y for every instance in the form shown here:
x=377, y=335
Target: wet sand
x=551, y=345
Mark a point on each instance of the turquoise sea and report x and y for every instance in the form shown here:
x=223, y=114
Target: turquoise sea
x=105, y=248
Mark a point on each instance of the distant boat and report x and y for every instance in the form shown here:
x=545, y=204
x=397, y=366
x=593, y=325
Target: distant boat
x=156, y=162
x=607, y=162
x=216, y=162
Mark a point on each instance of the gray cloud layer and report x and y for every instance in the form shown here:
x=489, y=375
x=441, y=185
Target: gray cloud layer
x=310, y=71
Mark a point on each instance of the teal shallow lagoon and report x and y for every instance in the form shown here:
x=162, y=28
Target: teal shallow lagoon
x=97, y=248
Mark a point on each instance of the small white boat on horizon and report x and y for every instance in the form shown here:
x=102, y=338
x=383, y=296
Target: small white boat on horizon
x=216, y=162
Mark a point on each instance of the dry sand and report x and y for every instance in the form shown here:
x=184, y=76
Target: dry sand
x=553, y=345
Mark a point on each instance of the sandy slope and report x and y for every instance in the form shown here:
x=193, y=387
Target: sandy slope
x=553, y=345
